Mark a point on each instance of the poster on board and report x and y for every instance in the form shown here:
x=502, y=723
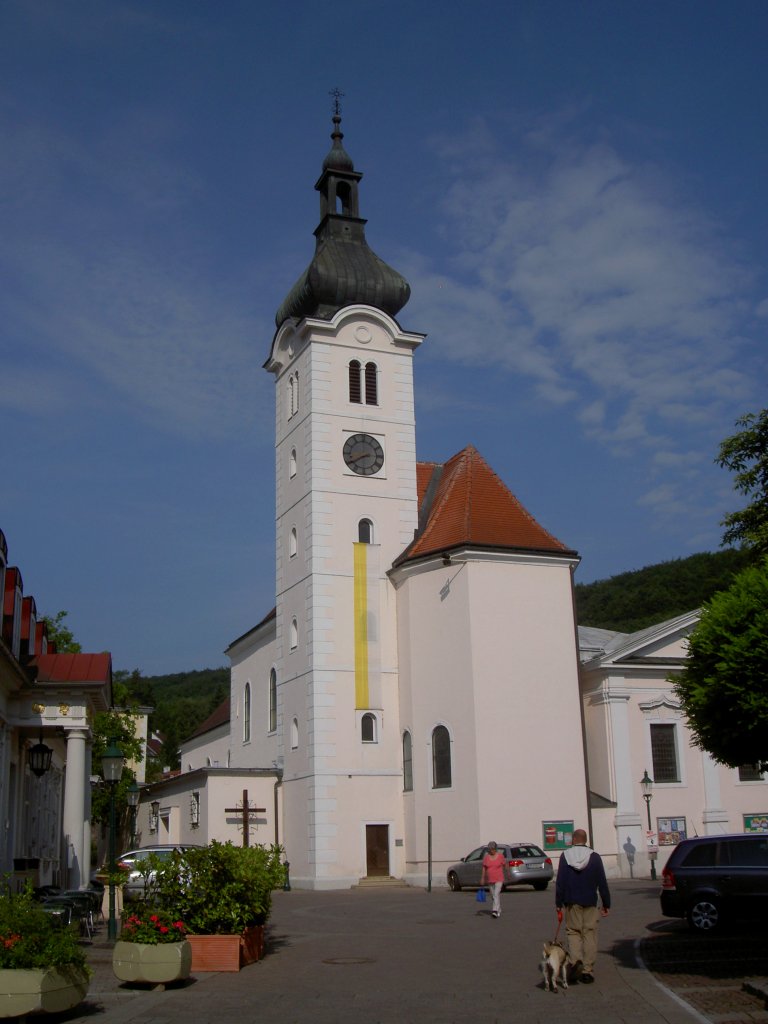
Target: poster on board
x=557, y=835
x=671, y=831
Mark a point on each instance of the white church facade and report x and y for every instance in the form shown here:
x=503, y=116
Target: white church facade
x=421, y=685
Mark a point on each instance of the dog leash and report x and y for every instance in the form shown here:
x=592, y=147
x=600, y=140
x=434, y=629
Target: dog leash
x=559, y=922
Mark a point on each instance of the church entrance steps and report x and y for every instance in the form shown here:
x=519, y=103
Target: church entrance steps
x=381, y=881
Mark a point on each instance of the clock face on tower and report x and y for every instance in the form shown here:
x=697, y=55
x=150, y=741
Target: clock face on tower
x=363, y=454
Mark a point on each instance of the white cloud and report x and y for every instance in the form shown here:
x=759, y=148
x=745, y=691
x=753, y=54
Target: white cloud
x=588, y=274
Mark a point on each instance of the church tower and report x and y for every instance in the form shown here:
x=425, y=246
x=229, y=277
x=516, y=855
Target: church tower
x=346, y=507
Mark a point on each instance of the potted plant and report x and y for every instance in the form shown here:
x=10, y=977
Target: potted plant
x=224, y=894
x=42, y=965
x=152, y=947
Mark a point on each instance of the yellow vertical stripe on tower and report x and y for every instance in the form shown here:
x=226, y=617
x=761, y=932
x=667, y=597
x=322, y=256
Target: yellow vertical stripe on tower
x=361, y=625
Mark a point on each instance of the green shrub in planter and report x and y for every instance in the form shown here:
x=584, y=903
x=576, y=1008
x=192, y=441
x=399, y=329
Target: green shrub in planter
x=31, y=939
x=220, y=889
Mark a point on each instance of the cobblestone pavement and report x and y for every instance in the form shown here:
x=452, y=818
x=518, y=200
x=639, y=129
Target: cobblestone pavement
x=402, y=956
x=722, y=976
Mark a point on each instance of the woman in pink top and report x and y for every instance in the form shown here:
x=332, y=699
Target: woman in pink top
x=493, y=875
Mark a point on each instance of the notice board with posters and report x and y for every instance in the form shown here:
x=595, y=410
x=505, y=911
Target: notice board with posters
x=756, y=822
x=556, y=835
x=671, y=831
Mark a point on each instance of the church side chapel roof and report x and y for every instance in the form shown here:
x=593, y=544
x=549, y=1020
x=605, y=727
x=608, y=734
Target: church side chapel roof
x=218, y=717
x=464, y=502
x=609, y=646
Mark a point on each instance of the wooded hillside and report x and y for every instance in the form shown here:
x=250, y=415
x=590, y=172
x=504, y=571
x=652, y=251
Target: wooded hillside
x=634, y=600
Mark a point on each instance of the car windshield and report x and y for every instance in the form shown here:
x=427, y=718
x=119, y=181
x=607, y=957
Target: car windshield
x=525, y=851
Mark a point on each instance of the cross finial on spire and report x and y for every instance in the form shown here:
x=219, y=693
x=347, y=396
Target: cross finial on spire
x=336, y=93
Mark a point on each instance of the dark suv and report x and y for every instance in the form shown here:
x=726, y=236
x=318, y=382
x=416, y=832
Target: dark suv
x=715, y=878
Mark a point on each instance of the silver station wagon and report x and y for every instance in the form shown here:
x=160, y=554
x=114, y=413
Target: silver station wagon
x=524, y=864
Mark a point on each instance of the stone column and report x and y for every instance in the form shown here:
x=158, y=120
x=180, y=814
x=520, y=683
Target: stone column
x=630, y=840
x=75, y=782
x=714, y=816
x=86, y=872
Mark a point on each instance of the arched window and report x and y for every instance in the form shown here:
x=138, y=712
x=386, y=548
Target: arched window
x=295, y=392
x=293, y=543
x=247, y=713
x=371, y=386
x=368, y=728
x=365, y=531
x=292, y=463
x=441, y=758
x=294, y=634
x=272, y=700
x=295, y=734
x=355, y=388
x=407, y=762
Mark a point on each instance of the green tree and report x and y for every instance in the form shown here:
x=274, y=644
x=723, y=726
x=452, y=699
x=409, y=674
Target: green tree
x=746, y=455
x=61, y=635
x=724, y=686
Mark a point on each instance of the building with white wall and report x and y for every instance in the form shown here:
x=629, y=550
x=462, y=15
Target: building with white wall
x=420, y=686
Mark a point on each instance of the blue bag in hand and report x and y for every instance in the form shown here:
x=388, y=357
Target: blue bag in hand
x=480, y=896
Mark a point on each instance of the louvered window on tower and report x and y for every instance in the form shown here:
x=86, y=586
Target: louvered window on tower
x=371, y=386
x=355, y=388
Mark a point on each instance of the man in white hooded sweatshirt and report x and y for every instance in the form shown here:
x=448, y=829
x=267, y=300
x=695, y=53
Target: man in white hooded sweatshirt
x=580, y=877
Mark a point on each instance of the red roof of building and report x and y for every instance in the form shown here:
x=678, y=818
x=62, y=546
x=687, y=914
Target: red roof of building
x=73, y=668
x=220, y=716
x=463, y=502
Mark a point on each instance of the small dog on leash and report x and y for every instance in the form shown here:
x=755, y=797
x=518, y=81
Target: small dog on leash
x=554, y=965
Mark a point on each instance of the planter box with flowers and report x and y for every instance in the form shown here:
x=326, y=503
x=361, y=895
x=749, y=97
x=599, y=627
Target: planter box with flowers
x=42, y=966
x=224, y=895
x=152, y=948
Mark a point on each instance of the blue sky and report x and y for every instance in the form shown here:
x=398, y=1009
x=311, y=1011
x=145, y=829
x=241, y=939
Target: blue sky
x=575, y=190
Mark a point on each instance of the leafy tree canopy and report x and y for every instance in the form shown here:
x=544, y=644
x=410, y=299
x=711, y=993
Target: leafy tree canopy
x=61, y=635
x=746, y=455
x=724, y=686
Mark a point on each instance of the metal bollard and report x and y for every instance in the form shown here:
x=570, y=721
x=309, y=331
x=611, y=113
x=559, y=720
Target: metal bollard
x=287, y=882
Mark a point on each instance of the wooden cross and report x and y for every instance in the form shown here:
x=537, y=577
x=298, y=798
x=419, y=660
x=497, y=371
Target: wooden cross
x=246, y=811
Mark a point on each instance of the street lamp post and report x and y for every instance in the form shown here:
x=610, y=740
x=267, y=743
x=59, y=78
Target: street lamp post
x=112, y=769
x=132, y=795
x=646, y=784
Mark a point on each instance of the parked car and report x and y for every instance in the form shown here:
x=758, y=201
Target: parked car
x=132, y=860
x=712, y=879
x=524, y=864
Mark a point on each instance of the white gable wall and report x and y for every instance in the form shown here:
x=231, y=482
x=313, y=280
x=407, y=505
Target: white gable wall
x=488, y=650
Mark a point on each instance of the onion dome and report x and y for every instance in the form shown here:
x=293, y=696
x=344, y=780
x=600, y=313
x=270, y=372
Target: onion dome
x=344, y=271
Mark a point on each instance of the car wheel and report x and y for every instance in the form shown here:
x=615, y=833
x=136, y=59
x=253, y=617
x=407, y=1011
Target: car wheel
x=704, y=915
x=540, y=886
x=453, y=881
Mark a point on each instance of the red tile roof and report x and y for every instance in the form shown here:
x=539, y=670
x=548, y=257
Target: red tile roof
x=463, y=502
x=220, y=716
x=73, y=668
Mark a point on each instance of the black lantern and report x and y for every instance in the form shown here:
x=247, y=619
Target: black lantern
x=132, y=795
x=39, y=758
x=112, y=768
x=646, y=785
